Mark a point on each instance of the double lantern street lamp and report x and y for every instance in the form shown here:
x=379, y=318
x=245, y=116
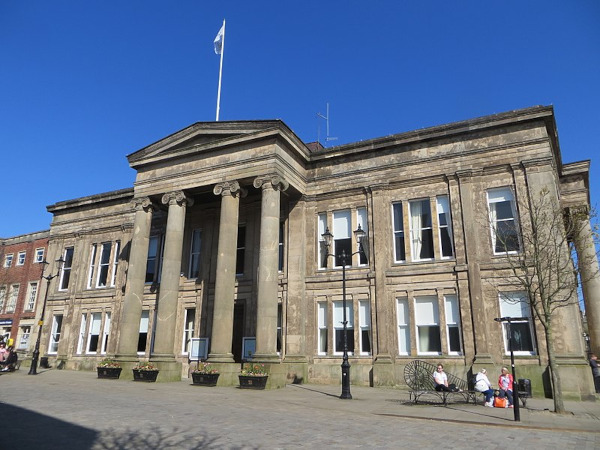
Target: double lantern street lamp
x=515, y=386
x=36, y=352
x=344, y=258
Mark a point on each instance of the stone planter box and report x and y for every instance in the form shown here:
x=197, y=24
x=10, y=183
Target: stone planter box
x=111, y=373
x=253, y=382
x=145, y=375
x=205, y=379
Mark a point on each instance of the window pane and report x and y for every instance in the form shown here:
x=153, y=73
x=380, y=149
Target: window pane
x=398, y=232
x=365, y=341
x=429, y=339
x=343, y=247
x=339, y=342
x=521, y=337
x=454, y=339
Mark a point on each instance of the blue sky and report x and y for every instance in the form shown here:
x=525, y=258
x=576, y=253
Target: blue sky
x=83, y=84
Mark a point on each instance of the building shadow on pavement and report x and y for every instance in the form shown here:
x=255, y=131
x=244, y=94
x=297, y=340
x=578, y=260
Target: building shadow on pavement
x=28, y=430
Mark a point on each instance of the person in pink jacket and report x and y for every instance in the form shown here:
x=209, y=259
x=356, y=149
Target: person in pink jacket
x=505, y=384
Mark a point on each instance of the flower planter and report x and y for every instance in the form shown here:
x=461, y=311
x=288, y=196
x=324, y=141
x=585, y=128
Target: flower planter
x=145, y=375
x=205, y=379
x=252, y=381
x=112, y=373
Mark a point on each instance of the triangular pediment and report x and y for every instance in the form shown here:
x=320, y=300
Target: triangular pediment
x=202, y=136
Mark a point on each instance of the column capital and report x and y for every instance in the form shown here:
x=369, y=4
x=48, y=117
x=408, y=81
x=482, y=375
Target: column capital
x=271, y=181
x=143, y=203
x=232, y=188
x=177, y=197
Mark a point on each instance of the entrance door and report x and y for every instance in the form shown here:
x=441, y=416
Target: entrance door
x=238, y=330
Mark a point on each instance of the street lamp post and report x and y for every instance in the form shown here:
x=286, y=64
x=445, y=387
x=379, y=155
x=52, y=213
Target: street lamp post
x=344, y=258
x=508, y=320
x=36, y=352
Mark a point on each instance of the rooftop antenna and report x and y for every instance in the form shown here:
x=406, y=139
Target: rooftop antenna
x=327, y=138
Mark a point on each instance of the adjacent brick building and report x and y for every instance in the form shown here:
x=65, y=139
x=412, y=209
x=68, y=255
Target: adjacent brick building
x=21, y=266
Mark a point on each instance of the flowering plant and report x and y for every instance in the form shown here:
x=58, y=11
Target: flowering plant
x=204, y=367
x=108, y=363
x=146, y=366
x=254, y=370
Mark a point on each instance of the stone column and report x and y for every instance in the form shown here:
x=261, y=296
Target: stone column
x=222, y=323
x=136, y=278
x=266, y=317
x=590, y=280
x=171, y=271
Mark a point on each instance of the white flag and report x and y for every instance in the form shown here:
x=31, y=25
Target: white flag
x=219, y=40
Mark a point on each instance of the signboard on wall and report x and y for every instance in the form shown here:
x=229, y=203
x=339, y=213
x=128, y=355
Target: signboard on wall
x=198, y=349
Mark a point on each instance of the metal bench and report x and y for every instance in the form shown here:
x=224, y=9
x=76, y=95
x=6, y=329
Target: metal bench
x=418, y=376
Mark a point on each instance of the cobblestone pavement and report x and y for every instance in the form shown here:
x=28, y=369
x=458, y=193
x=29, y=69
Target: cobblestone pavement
x=75, y=410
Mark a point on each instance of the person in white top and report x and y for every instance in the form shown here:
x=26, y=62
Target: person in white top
x=440, y=379
x=482, y=384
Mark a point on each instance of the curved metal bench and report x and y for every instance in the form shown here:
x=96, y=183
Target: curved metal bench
x=418, y=376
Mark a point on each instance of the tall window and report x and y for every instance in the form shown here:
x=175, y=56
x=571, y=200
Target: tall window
x=82, y=332
x=39, y=255
x=65, y=274
x=505, y=236
x=2, y=297
x=105, y=333
x=403, y=327
x=445, y=226
x=364, y=317
x=104, y=264
x=21, y=258
x=338, y=327
x=241, y=250
x=281, y=247
x=279, y=327
x=342, y=237
x=153, y=262
x=188, y=329
x=24, y=339
x=421, y=230
x=143, y=335
x=428, y=325
x=194, y=269
x=322, y=226
x=399, y=252
x=12, y=298
x=55, y=334
x=322, y=323
x=8, y=259
x=514, y=304
x=361, y=220
x=92, y=269
x=94, y=333
x=115, y=263
x=453, y=324
x=31, y=296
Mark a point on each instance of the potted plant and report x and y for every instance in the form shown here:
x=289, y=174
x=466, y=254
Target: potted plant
x=253, y=376
x=205, y=375
x=145, y=371
x=108, y=368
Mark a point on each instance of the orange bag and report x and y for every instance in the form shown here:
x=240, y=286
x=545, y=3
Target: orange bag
x=500, y=402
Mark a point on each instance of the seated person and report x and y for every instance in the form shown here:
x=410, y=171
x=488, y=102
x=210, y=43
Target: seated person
x=10, y=361
x=505, y=383
x=482, y=384
x=440, y=380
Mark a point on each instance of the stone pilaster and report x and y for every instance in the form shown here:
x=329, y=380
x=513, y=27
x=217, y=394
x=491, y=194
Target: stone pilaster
x=136, y=278
x=266, y=318
x=590, y=280
x=222, y=323
x=171, y=271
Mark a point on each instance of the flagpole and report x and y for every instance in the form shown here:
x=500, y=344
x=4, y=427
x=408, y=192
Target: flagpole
x=220, y=72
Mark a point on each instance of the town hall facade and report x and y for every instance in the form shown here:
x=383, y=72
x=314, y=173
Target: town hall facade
x=221, y=238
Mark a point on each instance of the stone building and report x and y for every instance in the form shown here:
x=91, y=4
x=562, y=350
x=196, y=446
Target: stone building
x=221, y=238
x=21, y=267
